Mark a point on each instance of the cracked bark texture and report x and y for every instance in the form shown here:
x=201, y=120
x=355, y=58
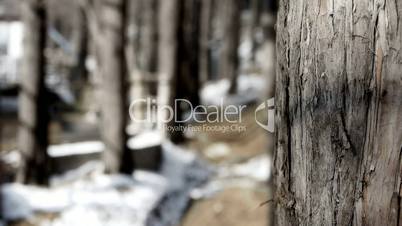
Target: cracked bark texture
x=339, y=113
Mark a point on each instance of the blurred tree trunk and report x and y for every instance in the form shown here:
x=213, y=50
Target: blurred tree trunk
x=33, y=110
x=231, y=37
x=149, y=41
x=169, y=15
x=114, y=108
x=81, y=30
x=256, y=8
x=205, y=39
x=339, y=125
x=189, y=45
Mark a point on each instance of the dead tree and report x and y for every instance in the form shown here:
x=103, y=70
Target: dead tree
x=229, y=61
x=33, y=112
x=114, y=110
x=339, y=113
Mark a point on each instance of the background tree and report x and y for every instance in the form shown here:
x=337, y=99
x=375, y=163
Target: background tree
x=33, y=111
x=229, y=61
x=168, y=61
x=205, y=39
x=112, y=20
x=339, y=111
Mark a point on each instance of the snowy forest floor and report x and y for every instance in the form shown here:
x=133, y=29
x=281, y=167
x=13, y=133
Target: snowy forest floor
x=233, y=195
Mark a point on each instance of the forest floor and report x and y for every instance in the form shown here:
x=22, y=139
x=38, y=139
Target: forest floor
x=238, y=203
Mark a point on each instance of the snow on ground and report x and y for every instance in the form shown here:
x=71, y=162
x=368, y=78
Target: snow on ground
x=250, y=88
x=145, y=140
x=86, y=196
x=146, y=198
x=76, y=148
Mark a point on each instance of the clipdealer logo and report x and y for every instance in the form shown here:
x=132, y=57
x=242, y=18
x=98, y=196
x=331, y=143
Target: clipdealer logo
x=269, y=107
x=223, y=118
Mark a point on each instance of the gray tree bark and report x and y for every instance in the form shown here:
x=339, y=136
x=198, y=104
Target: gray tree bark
x=229, y=61
x=33, y=111
x=113, y=71
x=339, y=113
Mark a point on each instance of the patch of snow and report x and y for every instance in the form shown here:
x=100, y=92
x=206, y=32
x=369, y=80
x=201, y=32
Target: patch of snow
x=245, y=50
x=184, y=172
x=78, y=148
x=257, y=168
x=217, y=150
x=250, y=88
x=12, y=158
x=145, y=139
x=96, y=199
x=21, y=201
x=86, y=170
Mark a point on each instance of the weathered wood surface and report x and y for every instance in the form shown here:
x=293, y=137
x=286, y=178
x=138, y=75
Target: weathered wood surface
x=339, y=113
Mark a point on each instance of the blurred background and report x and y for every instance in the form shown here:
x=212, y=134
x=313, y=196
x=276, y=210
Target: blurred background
x=69, y=72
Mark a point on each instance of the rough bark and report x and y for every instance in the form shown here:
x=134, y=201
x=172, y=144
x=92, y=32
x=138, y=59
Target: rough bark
x=339, y=113
x=229, y=61
x=33, y=113
x=113, y=71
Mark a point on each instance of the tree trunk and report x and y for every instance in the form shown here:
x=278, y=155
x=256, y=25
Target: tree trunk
x=169, y=14
x=256, y=8
x=339, y=113
x=205, y=39
x=148, y=43
x=231, y=35
x=79, y=73
x=113, y=68
x=188, y=52
x=33, y=111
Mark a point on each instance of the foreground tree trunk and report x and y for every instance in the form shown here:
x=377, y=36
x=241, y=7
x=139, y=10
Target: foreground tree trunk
x=113, y=71
x=33, y=111
x=339, y=113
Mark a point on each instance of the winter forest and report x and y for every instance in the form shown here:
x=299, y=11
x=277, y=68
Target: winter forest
x=200, y=112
